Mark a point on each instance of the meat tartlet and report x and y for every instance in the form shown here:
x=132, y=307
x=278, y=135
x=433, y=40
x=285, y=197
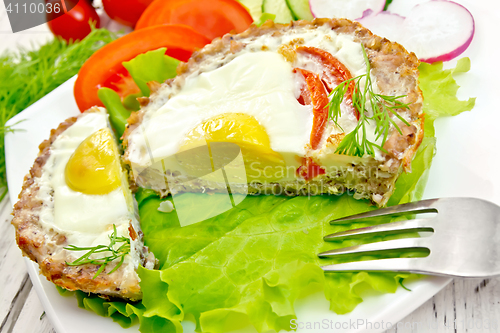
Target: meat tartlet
x=257, y=90
x=77, y=195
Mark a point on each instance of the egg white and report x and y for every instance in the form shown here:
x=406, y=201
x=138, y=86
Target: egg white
x=255, y=82
x=84, y=219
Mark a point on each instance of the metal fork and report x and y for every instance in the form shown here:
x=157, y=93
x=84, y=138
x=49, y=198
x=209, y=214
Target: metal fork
x=465, y=240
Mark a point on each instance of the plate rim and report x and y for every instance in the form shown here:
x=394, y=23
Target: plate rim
x=410, y=303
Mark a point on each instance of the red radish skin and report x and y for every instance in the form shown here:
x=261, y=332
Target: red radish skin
x=351, y=9
x=451, y=55
x=366, y=13
x=438, y=30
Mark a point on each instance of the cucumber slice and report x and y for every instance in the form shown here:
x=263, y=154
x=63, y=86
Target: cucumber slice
x=278, y=8
x=254, y=7
x=300, y=9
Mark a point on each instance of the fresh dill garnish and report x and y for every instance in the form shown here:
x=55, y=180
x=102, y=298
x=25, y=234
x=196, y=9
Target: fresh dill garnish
x=26, y=76
x=120, y=252
x=356, y=143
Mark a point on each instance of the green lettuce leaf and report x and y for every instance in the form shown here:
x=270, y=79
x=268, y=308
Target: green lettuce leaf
x=151, y=66
x=118, y=114
x=250, y=264
x=146, y=67
x=387, y=3
x=410, y=186
x=264, y=18
x=440, y=92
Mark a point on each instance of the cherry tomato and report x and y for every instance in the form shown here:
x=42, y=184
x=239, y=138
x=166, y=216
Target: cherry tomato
x=126, y=12
x=104, y=68
x=212, y=18
x=74, y=23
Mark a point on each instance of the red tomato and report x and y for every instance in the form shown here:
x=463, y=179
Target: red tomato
x=309, y=169
x=73, y=24
x=334, y=72
x=314, y=93
x=212, y=18
x=104, y=68
x=125, y=11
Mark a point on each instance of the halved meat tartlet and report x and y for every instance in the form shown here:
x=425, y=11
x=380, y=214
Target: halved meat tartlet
x=271, y=91
x=76, y=217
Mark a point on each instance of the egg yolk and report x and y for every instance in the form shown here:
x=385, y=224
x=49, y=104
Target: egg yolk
x=245, y=131
x=94, y=168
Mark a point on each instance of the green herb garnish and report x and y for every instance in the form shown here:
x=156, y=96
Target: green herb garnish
x=26, y=76
x=387, y=3
x=121, y=252
x=356, y=143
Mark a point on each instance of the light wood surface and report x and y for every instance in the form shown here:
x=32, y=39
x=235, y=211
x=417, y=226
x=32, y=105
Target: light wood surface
x=463, y=306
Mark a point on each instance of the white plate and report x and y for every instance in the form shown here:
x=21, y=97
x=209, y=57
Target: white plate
x=465, y=165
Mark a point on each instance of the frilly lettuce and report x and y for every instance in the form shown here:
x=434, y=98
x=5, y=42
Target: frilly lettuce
x=150, y=66
x=249, y=265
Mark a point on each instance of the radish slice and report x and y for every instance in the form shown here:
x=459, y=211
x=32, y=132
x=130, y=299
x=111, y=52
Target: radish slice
x=438, y=30
x=385, y=24
x=351, y=9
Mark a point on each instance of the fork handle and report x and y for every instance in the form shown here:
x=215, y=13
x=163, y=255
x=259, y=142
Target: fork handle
x=380, y=265
x=403, y=265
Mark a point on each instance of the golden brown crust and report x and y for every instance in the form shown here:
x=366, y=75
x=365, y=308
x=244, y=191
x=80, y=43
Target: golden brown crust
x=45, y=247
x=408, y=157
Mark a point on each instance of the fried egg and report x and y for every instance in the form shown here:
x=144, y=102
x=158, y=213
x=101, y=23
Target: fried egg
x=257, y=85
x=84, y=197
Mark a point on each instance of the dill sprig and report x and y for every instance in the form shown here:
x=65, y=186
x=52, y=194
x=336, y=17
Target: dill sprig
x=357, y=143
x=120, y=252
x=26, y=76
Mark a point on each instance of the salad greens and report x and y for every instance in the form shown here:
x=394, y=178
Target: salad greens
x=27, y=76
x=150, y=66
x=264, y=18
x=118, y=113
x=440, y=92
x=387, y=3
x=249, y=265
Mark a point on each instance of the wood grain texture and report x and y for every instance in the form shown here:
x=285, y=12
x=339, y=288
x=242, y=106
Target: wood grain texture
x=32, y=317
x=471, y=306
x=13, y=273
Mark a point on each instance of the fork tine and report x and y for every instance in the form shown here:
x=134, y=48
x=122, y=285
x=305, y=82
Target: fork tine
x=408, y=225
x=424, y=206
x=366, y=249
x=380, y=265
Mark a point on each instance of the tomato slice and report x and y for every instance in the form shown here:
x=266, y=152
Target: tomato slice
x=212, y=18
x=310, y=169
x=334, y=73
x=122, y=83
x=104, y=68
x=315, y=93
